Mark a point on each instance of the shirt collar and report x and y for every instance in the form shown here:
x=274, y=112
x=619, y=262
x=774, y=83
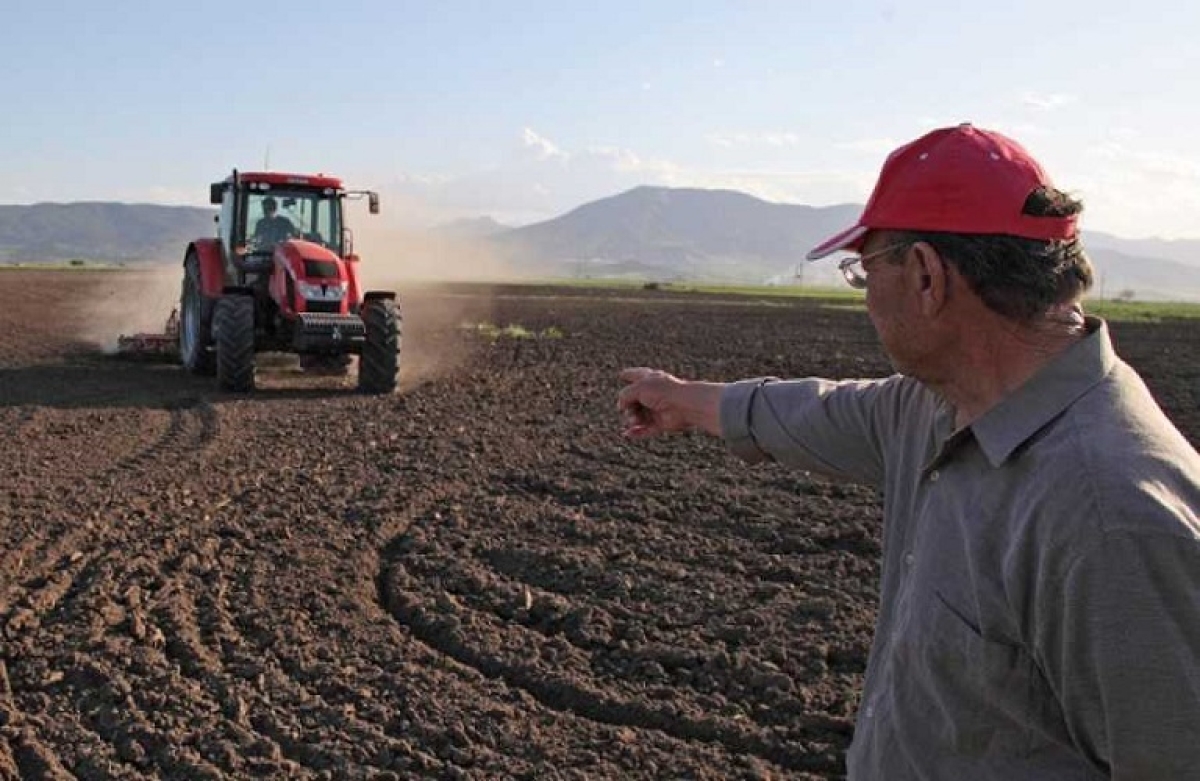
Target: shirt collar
x=1021, y=414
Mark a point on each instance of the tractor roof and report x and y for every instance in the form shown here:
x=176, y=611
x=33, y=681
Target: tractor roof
x=281, y=179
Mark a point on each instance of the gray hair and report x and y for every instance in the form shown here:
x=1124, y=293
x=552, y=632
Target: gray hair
x=1016, y=277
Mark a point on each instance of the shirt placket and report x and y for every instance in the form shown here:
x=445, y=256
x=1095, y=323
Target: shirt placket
x=879, y=705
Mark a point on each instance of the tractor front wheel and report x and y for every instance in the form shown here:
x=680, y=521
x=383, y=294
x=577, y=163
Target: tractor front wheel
x=233, y=324
x=380, y=359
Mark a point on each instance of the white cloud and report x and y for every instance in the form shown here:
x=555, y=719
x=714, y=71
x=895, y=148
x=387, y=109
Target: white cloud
x=423, y=178
x=543, y=147
x=1021, y=130
x=160, y=194
x=801, y=187
x=616, y=158
x=871, y=146
x=1046, y=101
x=1158, y=166
x=1136, y=192
x=766, y=138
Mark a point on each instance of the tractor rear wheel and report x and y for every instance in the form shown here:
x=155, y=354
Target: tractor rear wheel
x=195, y=321
x=380, y=358
x=233, y=324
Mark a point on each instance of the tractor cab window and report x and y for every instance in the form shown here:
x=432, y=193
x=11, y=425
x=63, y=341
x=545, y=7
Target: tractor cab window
x=269, y=226
x=273, y=216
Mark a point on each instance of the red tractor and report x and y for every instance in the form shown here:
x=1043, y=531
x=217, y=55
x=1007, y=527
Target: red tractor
x=282, y=276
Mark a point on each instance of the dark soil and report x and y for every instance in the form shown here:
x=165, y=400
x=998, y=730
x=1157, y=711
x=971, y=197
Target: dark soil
x=474, y=578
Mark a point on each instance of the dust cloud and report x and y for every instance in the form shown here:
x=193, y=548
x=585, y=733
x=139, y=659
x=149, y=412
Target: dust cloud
x=395, y=251
x=129, y=302
x=427, y=268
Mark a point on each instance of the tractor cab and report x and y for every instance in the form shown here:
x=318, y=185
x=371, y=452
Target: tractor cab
x=261, y=210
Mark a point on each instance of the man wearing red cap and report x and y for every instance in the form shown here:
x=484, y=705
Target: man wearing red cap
x=1040, y=595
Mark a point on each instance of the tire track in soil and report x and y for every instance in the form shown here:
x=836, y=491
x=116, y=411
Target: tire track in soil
x=239, y=675
x=120, y=720
x=71, y=552
x=157, y=641
x=13, y=420
x=122, y=736
x=254, y=680
x=322, y=691
x=190, y=429
x=164, y=640
x=553, y=638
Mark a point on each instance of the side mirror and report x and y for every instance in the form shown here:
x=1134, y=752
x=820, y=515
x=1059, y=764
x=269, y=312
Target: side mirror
x=215, y=192
x=373, y=203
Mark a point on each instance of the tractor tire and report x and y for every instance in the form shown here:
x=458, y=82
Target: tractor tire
x=195, y=321
x=380, y=358
x=233, y=325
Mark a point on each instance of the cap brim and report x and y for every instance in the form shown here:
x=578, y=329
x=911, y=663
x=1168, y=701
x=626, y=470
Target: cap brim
x=847, y=239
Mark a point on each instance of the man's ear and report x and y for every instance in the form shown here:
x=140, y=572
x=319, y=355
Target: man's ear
x=930, y=276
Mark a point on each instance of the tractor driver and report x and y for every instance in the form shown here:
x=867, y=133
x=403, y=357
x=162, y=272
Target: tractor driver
x=272, y=228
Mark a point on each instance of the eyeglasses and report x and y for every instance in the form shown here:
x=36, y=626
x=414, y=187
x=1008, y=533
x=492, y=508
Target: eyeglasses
x=857, y=278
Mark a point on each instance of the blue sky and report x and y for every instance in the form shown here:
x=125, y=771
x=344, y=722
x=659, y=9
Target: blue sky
x=524, y=110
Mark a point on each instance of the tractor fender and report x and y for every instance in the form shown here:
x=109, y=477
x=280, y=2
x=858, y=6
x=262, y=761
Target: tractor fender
x=212, y=265
x=369, y=296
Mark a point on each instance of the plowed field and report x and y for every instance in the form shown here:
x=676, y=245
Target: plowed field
x=474, y=578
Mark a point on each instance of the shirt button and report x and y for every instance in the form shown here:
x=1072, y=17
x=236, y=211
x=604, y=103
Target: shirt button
x=909, y=559
x=934, y=475
x=870, y=711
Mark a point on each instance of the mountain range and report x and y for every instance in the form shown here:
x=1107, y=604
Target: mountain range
x=647, y=233
x=673, y=234
x=99, y=231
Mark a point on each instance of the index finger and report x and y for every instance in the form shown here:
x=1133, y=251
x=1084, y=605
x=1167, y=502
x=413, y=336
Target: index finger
x=635, y=373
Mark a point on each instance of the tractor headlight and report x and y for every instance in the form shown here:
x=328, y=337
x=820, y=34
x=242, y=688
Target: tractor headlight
x=331, y=291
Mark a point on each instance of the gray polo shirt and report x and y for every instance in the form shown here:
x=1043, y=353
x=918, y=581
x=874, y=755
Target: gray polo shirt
x=1040, y=594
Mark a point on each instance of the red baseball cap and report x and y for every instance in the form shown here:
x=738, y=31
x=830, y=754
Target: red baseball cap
x=959, y=179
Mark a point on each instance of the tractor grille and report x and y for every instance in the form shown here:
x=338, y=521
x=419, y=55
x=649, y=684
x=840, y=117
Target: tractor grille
x=315, y=321
x=328, y=332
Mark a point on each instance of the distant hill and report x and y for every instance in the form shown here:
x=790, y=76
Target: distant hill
x=99, y=231
x=670, y=234
x=1120, y=275
x=1179, y=250
x=666, y=233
